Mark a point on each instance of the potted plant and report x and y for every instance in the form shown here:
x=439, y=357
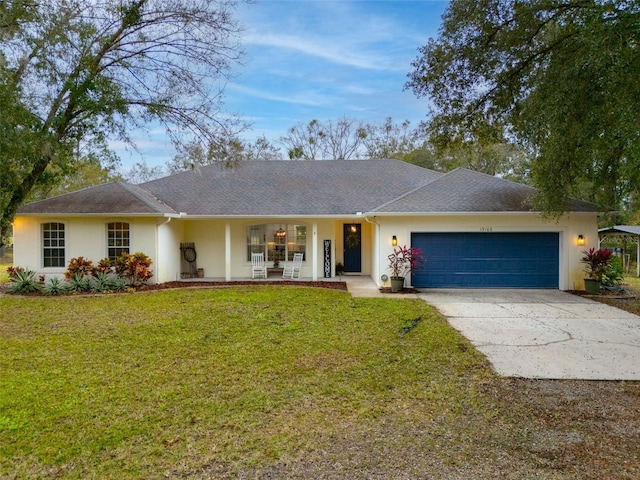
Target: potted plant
x=339, y=268
x=402, y=261
x=596, y=263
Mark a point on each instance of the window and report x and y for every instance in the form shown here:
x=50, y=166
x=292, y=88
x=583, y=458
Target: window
x=277, y=241
x=117, y=239
x=53, y=245
x=256, y=239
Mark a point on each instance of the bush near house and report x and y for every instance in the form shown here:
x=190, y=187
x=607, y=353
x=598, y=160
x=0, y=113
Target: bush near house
x=614, y=272
x=82, y=276
x=79, y=267
x=134, y=267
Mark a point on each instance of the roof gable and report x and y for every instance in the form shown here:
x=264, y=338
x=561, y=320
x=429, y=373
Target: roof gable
x=114, y=198
x=463, y=190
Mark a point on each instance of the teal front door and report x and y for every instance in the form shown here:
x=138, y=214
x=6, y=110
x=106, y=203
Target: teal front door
x=352, y=247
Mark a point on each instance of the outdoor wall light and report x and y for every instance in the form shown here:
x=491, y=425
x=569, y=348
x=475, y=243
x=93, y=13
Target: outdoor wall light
x=394, y=241
x=581, y=240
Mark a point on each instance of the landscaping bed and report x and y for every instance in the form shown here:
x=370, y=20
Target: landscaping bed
x=194, y=284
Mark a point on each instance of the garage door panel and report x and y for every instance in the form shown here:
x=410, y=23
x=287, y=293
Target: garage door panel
x=488, y=260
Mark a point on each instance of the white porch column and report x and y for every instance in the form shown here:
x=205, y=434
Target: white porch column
x=227, y=251
x=376, y=254
x=314, y=252
x=638, y=257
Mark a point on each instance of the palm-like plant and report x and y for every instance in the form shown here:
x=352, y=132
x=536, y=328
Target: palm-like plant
x=596, y=262
x=404, y=260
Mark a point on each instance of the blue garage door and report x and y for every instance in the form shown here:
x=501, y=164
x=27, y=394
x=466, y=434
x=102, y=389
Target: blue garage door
x=487, y=260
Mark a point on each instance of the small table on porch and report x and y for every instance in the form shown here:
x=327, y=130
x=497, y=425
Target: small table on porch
x=274, y=272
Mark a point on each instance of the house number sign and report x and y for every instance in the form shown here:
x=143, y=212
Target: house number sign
x=327, y=259
x=486, y=229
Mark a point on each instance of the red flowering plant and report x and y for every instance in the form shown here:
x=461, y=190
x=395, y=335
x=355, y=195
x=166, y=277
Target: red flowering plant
x=14, y=271
x=596, y=262
x=403, y=260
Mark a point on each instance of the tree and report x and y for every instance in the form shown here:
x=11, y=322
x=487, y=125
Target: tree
x=482, y=147
x=142, y=172
x=340, y=140
x=229, y=151
x=343, y=138
x=392, y=140
x=305, y=142
x=559, y=76
x=78, y=73
x=262, y=149
x=80, y=172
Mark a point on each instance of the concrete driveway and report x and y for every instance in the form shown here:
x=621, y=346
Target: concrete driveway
x=544, y=333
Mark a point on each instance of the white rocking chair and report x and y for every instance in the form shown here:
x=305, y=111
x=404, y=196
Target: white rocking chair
x=295, y=267
x=258, y=267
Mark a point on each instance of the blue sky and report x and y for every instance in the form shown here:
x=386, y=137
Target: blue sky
x=316, y=59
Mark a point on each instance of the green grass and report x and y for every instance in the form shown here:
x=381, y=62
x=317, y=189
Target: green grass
x=4, y=276
x=283, y=382
x=632, y=281
x=134, y=386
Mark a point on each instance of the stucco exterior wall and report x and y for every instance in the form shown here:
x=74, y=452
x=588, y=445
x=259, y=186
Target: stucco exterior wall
x=569, y=227
x=169, y=234
x=84, y=237
x=221, y=244
x=210, y=238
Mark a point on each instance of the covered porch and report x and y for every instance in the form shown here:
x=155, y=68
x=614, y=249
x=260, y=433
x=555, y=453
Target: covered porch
x=220, y=249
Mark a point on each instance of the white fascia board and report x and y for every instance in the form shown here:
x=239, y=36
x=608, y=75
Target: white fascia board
x=95, y=215
x=459, y=214
x=266, y=217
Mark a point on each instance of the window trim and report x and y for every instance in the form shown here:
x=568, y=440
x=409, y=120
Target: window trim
x=119, y=248
x=261, y=238
x=46, y=250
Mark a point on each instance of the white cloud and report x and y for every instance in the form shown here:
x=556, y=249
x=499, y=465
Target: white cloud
x=320, y=49
x=309, y=98
x=320, y=59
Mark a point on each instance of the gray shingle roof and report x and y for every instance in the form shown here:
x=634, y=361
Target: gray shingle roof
x=110, y=198
x=336, y=187
x=463, y=190
x=300, y=188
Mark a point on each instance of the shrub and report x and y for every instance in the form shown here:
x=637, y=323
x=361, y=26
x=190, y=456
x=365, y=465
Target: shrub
x=55, y=286
x=80, y=283
x=12, y=271
x=23, y=281
x=614, y=272
x=134, y=267
x=118, y=284
x=79, y=266
x=105, y=282
x=404, y=260
x=104, y=266
x=596, y=262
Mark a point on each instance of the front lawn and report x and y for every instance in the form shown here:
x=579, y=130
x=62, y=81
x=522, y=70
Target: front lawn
x=261, y=382
x=4, y=275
